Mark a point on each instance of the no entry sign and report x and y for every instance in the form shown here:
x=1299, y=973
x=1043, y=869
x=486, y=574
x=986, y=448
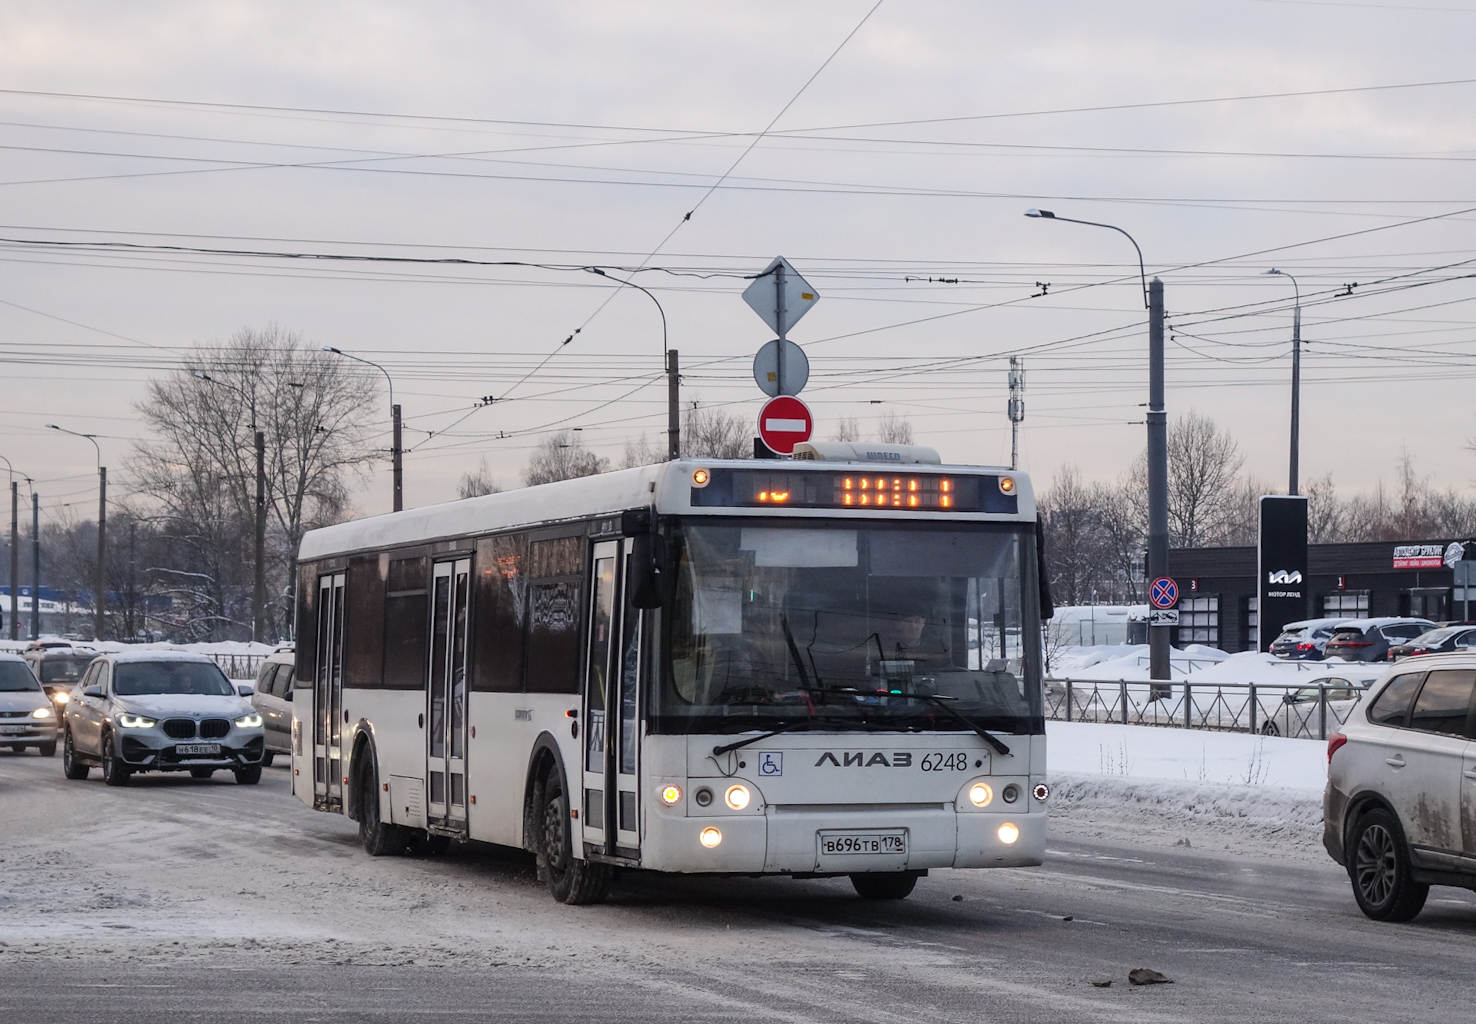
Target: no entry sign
x=784, y=423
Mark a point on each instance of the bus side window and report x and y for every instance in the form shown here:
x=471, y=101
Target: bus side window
x=364, y=597
x=556, y=571
x=500, y=613
x=406, y=620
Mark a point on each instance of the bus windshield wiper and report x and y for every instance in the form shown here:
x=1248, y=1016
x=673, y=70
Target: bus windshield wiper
x=799, y=725
x=939, y=701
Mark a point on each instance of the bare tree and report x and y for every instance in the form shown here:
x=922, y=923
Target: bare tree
x=562, y=456
x=639, y=452
x=893, y=430
x=1203, y=465
x=710, y=433
x=478, y=482
x=1326, y=515
x=1125, y=529
x=847, y=430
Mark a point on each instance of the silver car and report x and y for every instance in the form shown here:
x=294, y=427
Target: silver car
x=273, y=699
x=160, y=711
x=26, y=715
x=1399, y=811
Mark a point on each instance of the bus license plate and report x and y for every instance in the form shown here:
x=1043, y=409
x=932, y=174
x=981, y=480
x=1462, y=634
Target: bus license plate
x=834, y=844
x=197, y=749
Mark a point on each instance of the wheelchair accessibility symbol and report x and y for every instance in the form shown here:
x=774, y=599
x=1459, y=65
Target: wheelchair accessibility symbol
x=771, y=762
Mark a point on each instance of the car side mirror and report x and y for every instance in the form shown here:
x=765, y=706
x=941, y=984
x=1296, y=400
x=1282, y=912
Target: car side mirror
x=1287, y=698
x=92, y=691
x=245, y=690
x=287, y=695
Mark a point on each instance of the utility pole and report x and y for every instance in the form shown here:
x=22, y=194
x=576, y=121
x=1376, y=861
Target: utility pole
x=1296, y=409
x=258, y=591
x=35, y=566
x=398, y=456
x=100, y=598
x=1016, y=408
x=1158, y=551
x=673, y=405
x=396, y=450
x=14, y=560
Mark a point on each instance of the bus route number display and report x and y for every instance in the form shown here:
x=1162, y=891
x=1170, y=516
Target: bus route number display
x=914, y=492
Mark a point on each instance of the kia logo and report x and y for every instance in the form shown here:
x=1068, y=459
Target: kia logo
x=1283, y=576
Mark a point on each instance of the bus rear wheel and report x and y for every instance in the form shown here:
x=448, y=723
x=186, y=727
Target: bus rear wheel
x=570, y=881
x=378, y=837
x=884, y=887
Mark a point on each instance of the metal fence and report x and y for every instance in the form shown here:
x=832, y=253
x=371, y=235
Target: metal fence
x=240, y=666
x=1308, y=711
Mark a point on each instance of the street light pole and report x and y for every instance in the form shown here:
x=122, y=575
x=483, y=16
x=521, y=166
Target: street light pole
x=1296, y=410
x=100, y=585
x=35, y=564
x=1158, y=635
x=14, y=551
x=673, y=375
x=396, y=450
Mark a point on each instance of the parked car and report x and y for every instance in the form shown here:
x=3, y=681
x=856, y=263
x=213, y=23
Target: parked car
x=1436, y=641
x=160, y=711
x=273, y=700
x=58, y=666
x=26, y=715
x=1370, y=639
x=1301, y=714
x=1305, y=640
x=1400, y=777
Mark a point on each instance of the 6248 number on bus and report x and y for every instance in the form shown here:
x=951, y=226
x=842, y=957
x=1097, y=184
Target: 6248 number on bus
x=954, y=761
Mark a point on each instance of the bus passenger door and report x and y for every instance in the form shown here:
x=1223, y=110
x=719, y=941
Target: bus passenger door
x=328, y=696
x=611, y=825
x=446, y=701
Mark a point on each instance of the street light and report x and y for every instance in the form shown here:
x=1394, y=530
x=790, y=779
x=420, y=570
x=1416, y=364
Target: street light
x=1296, y=412
x=673, y=376
x=395, y=450
x=258, y=589
x=100, y=598
x=1158, y=635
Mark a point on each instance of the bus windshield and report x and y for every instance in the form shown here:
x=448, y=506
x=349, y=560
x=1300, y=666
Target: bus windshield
x=878, y=625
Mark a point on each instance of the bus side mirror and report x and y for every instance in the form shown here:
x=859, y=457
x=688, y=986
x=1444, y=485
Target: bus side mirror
x=647, y=584
x=1043, y=574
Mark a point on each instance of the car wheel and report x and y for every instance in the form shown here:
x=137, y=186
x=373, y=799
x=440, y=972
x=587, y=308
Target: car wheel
x=71, y=767
x=884, y=887
x=571, y=881
x=47, y=749
x=1270, y=729
x=1379, y=869
x=267, y=758
x=114, y=771
x=248, y=776
x=201, y=773
x=378, y=837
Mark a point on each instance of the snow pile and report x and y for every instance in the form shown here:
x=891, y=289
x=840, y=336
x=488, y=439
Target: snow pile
x=1115, y=662
x=1265, y=805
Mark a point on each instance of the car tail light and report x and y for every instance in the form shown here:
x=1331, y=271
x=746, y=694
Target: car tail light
x=1353, y=643
x=1334, y=741
x=1306, y=647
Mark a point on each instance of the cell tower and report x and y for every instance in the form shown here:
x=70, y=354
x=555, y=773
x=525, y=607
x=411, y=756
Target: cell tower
x=1017, y=407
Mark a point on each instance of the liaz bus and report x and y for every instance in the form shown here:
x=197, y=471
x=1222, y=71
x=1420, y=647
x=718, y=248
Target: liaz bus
x=804, y=668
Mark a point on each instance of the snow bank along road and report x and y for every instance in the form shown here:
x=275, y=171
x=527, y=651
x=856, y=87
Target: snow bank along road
x=175, y=900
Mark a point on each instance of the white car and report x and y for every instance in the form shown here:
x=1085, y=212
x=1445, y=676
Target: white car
x=273, y=699
x=1399, y=811
x=26, y=715
x=1300, y=713
x=160, y=711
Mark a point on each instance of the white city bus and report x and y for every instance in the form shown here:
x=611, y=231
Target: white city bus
x=761, y=667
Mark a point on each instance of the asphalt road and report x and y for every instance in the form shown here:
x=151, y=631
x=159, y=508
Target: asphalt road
x=173, y=900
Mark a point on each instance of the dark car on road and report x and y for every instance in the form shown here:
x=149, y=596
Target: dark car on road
x=1370, y=639
x=59, y=667
x=1437, y=641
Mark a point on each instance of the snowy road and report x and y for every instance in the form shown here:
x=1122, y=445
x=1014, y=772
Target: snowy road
x=181, y=901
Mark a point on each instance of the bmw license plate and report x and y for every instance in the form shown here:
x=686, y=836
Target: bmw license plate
x=840, y=844
x=197, y=749
x=13, y=730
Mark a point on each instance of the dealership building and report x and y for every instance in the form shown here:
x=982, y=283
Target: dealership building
x=1217, y=586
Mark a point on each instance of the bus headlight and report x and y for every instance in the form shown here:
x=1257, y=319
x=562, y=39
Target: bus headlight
x=737, y=797
x=710, y=837
x=1008, y=833
x=980, y=794
x=671, y=795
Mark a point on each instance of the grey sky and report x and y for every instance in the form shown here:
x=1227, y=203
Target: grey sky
x=862, y=211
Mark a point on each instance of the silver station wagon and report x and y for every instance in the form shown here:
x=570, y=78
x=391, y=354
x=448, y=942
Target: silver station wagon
x=160, y=711
x=26, y=715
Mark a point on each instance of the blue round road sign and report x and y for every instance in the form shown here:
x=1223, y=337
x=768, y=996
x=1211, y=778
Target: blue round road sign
x=1164, y=593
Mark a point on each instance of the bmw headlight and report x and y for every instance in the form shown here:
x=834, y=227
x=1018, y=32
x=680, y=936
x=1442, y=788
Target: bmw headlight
x=251, y=721
x=128, y=721
x=43, y=713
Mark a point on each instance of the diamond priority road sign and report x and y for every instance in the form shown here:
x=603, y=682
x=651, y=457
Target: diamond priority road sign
x=780, y=296
x=785, y=422
x=1164, y=593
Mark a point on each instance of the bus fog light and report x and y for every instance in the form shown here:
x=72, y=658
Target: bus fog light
x=1011, y=793
x=710, y=837
x=1008, y=833
x=980, y=794
x=671, y=795
x=703, y=796
x=737, y=797
x=1041, y=792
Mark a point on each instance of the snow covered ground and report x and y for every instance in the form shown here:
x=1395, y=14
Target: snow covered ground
x=237, y=647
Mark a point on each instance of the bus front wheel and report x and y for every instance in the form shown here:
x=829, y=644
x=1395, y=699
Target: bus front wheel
x=571, y=881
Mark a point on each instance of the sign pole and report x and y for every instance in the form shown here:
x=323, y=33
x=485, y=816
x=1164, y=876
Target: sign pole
x=780, y=318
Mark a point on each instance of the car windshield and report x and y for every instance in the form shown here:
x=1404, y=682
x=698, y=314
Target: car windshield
x=1344, y=635
x=134, y=678
x=64, y=670
x=877, y=625
x=15, y=676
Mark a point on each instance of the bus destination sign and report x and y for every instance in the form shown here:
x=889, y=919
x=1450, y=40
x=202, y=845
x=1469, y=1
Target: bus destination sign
x=919, y=492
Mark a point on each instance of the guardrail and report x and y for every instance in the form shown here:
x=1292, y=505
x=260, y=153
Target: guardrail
x=240, y=666
x=1309, y=711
